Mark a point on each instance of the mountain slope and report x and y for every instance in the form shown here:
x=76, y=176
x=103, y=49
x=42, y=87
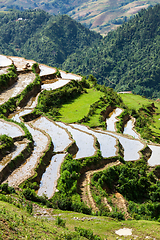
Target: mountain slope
x=42, y=37
x=126, y=59
x=101, y=16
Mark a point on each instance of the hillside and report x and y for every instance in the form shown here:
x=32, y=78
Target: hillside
x=42, y=37
x=100, y=16
x=74, y=155
x=126, y=59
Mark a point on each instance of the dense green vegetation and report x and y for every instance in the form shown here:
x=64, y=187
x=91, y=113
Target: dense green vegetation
x=126, y=59
x=82, y=101
x=146, y=113
x=6, y=79
x=6, y=144
x=136, y=183
x=45, y=38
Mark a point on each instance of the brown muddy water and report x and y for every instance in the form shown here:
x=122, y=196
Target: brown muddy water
x=107, y=142
x=111, y=121
x=84, y=141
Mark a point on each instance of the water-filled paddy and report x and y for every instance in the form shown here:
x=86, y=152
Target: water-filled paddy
x=155, y=157
x=84, y=141
x=48, y=181
x=46, y=70
x=70, y=76
x=10, y=129
x=4, y=61
x=111, y=121
x=55, y=85
x=26, y=170
x=107, y=142
x=131, y=147
x=128, y=129
x=59, y=136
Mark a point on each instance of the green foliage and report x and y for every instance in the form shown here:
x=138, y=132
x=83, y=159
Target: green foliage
x=87, y=233
x=136, y=184
x=50, y=101
x=6, y=78
x=126, y=59
x=45, y=38
x=6, y=143
x=5, y=189
x=60, y=222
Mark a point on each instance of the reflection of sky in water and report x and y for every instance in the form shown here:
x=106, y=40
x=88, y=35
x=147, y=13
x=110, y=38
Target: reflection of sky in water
x=59, y=136
x=25, y=171
x=131, y=147
x=46, y=70
x=4, y=61
x=128, y=129
x=84, y=141
x=69, y=76
x=107, y=143
x=48, y=181
x=10, y=129
x=55, y=85
x=155, y=157
x=112, y=120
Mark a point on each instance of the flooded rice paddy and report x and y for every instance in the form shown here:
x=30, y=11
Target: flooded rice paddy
x=107, y=142
x=155, y=156
x=59, y=136
x=70, y=76
x=5, y=61
x=51, y=86
x=49, y=178
x=10, y=129
x=111, y=121
x=131, y=147
x=128, y=129
x=46, y=70
x=26, y=170
x=84, y=141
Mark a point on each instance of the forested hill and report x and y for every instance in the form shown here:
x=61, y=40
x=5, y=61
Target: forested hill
x=126, y=59
x=37, y=35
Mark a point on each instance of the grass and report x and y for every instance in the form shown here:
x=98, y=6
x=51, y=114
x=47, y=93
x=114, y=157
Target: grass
x=78, y=108
x=16, y=223
x=137, y=101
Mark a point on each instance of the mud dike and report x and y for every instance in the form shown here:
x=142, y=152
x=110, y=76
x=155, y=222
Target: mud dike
x=43, y=157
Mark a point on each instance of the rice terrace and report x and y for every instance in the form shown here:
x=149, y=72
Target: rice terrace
x=79, y=158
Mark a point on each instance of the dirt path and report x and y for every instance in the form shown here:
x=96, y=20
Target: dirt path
x=121, y=204
x=86, y=194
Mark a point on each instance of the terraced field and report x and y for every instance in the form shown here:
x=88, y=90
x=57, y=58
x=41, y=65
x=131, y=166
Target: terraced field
x=38, y=154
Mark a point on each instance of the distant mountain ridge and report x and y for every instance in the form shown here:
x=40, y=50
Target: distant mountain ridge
x=99, y=15
x=35, y=34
